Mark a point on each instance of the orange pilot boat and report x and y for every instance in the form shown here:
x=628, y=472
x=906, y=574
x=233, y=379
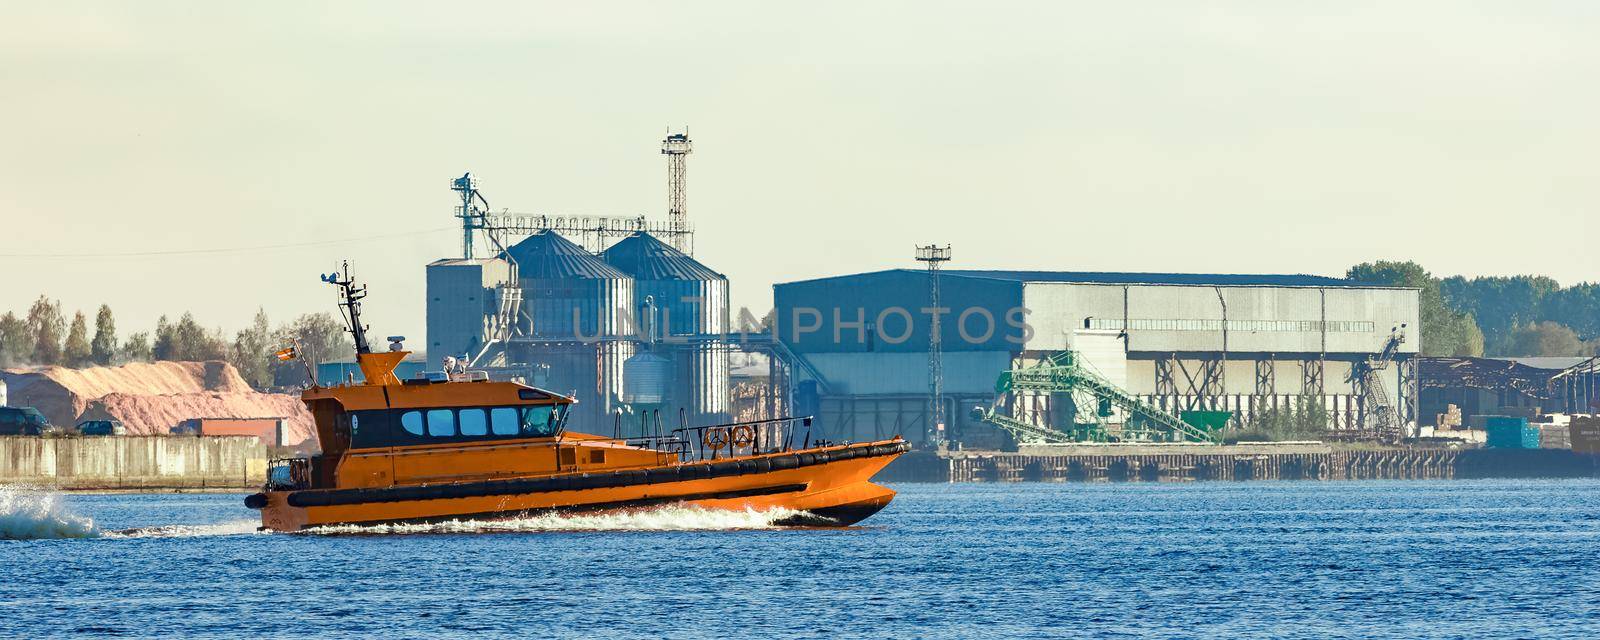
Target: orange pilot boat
x=456, y=445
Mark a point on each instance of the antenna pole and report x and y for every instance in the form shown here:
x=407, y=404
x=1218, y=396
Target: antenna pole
x=305, y=359
x=351, y=300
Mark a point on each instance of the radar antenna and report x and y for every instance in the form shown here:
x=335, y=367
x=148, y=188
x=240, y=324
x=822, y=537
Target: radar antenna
x=350, y=298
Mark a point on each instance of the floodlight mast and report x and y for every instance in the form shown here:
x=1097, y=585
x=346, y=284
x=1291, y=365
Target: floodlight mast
x=935, y=256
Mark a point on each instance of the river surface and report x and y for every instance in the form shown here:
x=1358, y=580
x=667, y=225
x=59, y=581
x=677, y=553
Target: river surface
x=1402, y=559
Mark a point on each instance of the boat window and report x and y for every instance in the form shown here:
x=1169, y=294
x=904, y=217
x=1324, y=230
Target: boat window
x=371, y=429
x=412, y=421
x=441, y=422
x=473, y=422
x=503, y=420
x=539, y=422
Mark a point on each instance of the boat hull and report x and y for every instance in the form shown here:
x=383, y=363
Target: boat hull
x=828, y=486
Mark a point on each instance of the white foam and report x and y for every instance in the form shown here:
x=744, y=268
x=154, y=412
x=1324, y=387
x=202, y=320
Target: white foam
x=30, y=514
x=231, y=528
x=669, y=518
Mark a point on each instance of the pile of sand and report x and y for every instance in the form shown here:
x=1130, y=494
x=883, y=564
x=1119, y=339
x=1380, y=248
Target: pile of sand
x=151, y=397
x=155, y=415
x=62, y=394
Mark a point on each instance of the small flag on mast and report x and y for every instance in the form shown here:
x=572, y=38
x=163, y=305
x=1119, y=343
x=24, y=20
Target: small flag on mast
x=288, y=353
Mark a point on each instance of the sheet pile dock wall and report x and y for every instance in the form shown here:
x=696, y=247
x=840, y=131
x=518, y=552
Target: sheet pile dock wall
x=1246, y=462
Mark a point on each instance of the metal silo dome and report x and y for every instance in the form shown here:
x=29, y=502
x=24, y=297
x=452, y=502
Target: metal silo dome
x=670, y=276
x=559, y=277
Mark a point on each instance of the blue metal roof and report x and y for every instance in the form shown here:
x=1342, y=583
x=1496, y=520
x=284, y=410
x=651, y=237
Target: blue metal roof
x=546, y=255
x=1114, y=277
x=647, y=258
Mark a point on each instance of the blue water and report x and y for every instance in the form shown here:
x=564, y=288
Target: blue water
x=1268, y=559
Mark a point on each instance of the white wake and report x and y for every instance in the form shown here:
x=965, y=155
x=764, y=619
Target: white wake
x=233, y=528
x=668, y=518
x=27, y=514
x=33, y=514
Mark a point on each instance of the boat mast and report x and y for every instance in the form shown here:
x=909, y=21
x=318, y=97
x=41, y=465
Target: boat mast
x=350, y=298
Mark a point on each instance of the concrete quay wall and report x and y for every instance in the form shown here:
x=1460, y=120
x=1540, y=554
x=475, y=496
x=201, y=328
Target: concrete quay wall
x=133, y=462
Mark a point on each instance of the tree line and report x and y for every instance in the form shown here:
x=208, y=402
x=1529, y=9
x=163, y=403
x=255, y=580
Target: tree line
x=1495, y=315
x=44, y=337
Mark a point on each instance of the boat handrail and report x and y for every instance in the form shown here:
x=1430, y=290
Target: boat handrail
x=724, y=440
x=749, y=437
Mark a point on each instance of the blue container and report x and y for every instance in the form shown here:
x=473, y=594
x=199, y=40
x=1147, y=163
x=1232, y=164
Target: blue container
x=1504, y=432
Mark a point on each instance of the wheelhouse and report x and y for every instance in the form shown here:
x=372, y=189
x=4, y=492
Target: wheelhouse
x=381, y=428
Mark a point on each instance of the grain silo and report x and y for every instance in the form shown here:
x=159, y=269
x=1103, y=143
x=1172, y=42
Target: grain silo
x=573, y=323
x=686, y=305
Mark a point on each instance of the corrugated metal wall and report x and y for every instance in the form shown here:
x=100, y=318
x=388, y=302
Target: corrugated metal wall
x=459, y=301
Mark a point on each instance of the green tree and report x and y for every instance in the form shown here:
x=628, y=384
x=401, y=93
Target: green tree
x=187, y=341
x=104, y=347
x=1444, y=331
x=137, y=348
x=1578, y=307
x=1546, y=339
x=252, y=352
x=77, y=353
x=48, y=329
x=321, y=337
x=193, y=343
x=16, y=342
x=165, y=344
x=1500, y=305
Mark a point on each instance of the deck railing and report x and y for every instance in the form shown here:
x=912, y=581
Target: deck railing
x=717, y=441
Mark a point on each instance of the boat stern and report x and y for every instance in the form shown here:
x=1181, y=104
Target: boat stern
x=276, y=512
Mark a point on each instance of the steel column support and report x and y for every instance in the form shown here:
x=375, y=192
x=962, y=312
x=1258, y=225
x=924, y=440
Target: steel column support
x=1166, y=388
x=1409, y=394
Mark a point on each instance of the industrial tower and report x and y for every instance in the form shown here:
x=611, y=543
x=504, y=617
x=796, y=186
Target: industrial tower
x=677, y=147
x=472, y=217
x=935, y=256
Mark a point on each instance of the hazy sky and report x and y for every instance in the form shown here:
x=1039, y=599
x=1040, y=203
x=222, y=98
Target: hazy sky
x=1268, y=136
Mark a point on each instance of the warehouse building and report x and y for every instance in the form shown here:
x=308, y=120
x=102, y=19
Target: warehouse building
x=1184, y=342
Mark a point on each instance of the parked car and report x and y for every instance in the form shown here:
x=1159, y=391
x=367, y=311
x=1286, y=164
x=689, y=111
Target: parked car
x=101, y=428
x=23, y=421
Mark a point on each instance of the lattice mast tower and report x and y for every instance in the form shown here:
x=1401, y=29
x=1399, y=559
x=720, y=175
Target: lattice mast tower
x=935, y=256
x=677, y=147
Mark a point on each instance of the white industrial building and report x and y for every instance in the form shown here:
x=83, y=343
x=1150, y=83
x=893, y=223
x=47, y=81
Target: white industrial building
x=1183, y=342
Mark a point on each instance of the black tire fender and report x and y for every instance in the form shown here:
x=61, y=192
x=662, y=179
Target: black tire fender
x=662, y=474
